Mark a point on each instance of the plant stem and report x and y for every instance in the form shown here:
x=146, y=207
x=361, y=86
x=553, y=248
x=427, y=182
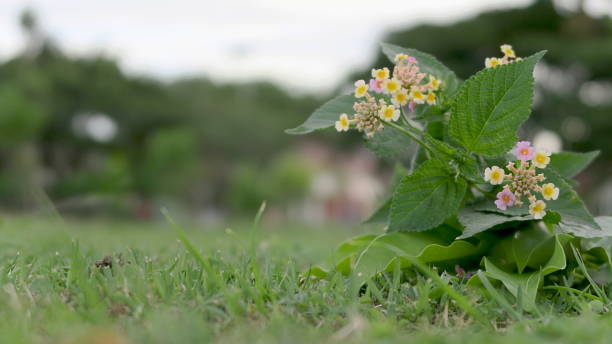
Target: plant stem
x=411, y=135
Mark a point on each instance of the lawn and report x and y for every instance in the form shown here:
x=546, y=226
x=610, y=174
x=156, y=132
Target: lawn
x=57, y=287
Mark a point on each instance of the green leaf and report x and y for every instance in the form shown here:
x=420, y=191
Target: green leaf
x=568, y=205
x=583, y=231
x=471, y=169
x=427, y=64
x=434, y=246
x=569, y=164
x=391, y=143
x=552, y=218
x=381, y=215
x=325, y=116
x=347, y=252
x=491, y=105
x=532, y=247
x=476, y=222
x=427, y=197
x=527, y=284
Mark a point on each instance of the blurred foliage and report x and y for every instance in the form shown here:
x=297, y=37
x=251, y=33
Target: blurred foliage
x=178, y=140
x=283, y=181
x=203, y=143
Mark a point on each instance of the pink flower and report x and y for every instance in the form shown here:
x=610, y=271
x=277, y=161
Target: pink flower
x=412, y=59
x=505, y=199
x=376, y=86
x=523, y=151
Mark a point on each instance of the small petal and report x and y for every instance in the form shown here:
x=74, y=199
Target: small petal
x=494, y=175
x=550, y=192
x=541, y=158
x=537, y=209
x=523, y=151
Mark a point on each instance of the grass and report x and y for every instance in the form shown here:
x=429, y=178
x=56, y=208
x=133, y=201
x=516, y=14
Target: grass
x=243, y=285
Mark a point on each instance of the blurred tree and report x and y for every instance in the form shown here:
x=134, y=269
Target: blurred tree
x=91, y=129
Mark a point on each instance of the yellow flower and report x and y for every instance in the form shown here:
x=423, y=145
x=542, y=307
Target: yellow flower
x=400, y=57
x=491, y=62
x=380, y=74
x=541, y=158
x=494, y=175
x=343, y=123
x=508, y=51
x=549, y=191
x=361, y=88
x=434, y=83
x=417, y=96
x=537, y=209
x=431, y=98
x=389, y=113
x=391, y=85
x=400, y=97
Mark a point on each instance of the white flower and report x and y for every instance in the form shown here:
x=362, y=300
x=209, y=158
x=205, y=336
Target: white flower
x=508, y=51
x=491, y=62
x=389, y=113
x=537, y=209
x=494, y=175
x=391, y=86
x=541, y=158
x=360, y=88
x=400, y=98
x=343, y=123
x=431, y=98
x=380, y=74
x=417, y=96
x=549, y=191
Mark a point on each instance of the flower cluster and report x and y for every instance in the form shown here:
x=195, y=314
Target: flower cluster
x=509, y=57
x=386, y=94
x=523, y=180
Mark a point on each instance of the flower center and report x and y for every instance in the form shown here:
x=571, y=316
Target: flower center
x=524, y=151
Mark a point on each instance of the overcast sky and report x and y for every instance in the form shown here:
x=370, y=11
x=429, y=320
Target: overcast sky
x=304, y=45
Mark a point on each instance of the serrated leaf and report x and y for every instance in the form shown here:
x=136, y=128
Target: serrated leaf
x=325, y=116
x=477, y=222
x=425, y=198
x=391, y=143
x=427, y=64
x=471, y=169
x=569, y=164
x=491, y=105
x=583, y=231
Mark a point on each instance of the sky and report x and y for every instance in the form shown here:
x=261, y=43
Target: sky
x=305, y=46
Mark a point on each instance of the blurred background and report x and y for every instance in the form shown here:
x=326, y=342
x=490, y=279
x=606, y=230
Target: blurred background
x=118, y=108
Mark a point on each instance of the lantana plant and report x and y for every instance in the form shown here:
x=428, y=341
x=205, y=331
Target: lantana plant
x=469, y=195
